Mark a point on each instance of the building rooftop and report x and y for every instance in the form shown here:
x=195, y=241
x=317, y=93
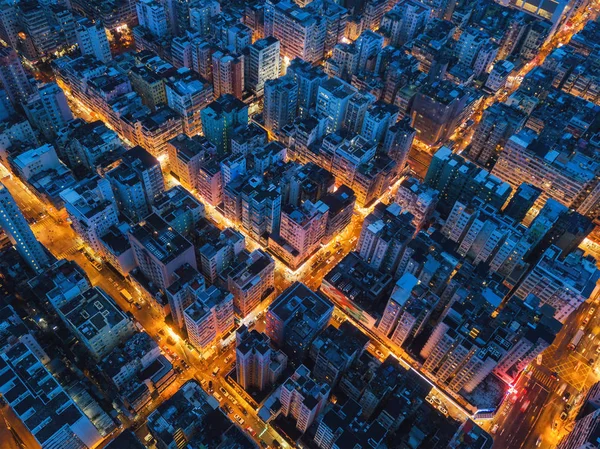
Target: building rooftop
x=39, y=400
x=299, y=298
x=159, y=238
x=93, y=312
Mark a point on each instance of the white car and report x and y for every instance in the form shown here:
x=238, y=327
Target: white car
x=239, y=419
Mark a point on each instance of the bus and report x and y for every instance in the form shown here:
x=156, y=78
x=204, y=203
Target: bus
x=576, y=339
x=125, y=294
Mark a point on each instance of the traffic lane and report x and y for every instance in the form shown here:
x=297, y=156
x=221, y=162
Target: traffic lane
x=240, y=407
x=13, y=433
x=550, y=414
x=521, y=418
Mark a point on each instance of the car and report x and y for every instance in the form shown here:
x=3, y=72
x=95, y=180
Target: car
x=217, y=396
x=227, y=359
x=276, y=443
x=251, y=430
x=137, y=305
x=210, y=386
x=224, y=391
x=538, y=442
x=563, y=416
x=591, y=362
x=495, y=429
x=233, y=401
x=244, y=412
x=525, y=405
x=554, y=425
x=379, y=353
x=566, y=396
x=239, y=419
x=264, y=444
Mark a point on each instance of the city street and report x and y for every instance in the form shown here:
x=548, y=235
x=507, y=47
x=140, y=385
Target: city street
x=536, y=414
x=63, y=242
x=562, y=372
x=518, y=419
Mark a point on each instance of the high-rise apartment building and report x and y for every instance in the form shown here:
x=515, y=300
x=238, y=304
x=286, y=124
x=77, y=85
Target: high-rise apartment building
x=438, y=109
x=209, y=317
x=220, y=118
x=524, y=198
x=418, y=199
x=257, y=365
x=99, y=324
x=14, y=78
x=302, y=33
x=262, y=63
x=398, y=141
x=227, y=74
x=385, y=233
x=373, y=13
x=215, y=257
x=159, y=250
x=251, y=282
x=280, y=104
x=377, y=122
x=498, y=124
x=569, y=177
x=343, y=62
x=137, y=181
x=367, y=45
x=186, y=155
x=308, y=78
x=297, y=303
x=92, y=209
x=332, y=101
x=405, y=21
x=585, y=433
x=457, y=179
x=407, y=311
x=301, y=231
x=48, y=110
x=563, y=284
x=180, y=209
x=187, y=94
x=303, y=398
x=92, y=40
x=16, y=227
x=152, y=15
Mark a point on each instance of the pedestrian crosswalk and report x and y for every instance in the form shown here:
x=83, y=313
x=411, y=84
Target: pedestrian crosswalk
x=65, y=254
x=545, y=379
